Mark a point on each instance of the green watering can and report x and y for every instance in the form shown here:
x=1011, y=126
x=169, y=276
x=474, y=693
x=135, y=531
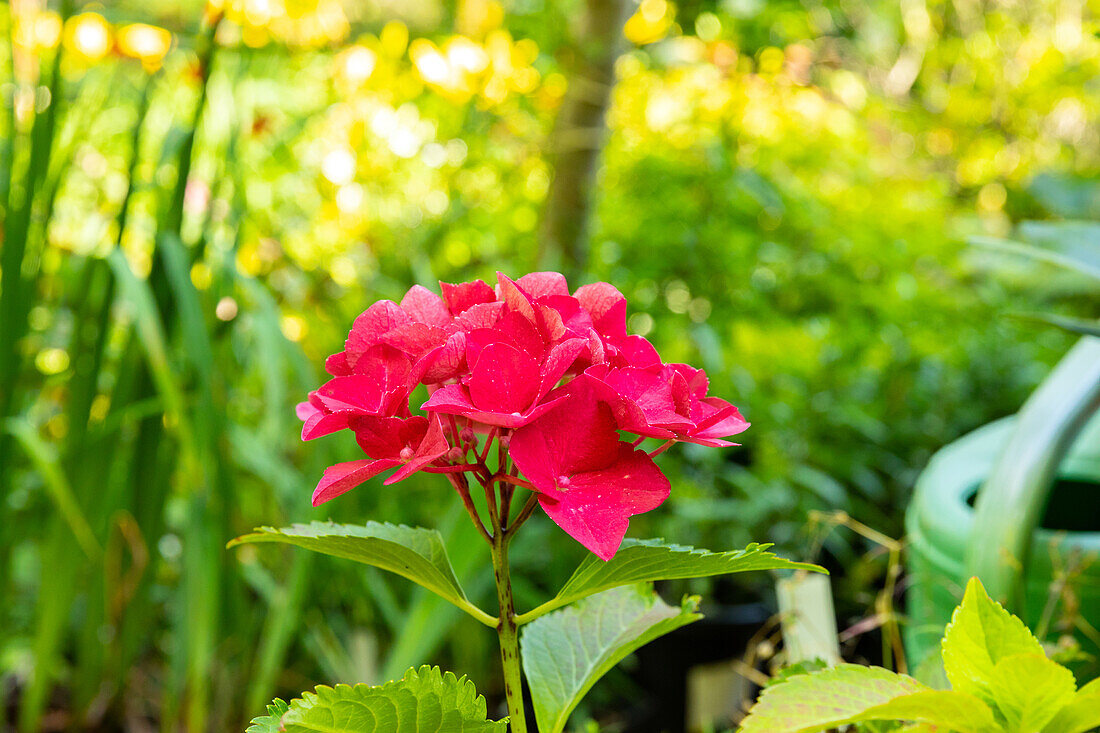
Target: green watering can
x=1034, y=480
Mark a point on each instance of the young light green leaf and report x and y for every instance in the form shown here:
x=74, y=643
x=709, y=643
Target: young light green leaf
x=566, y=652
x=849, y=693
x=411, y=552
x=982, y=633
x=270, y=723
x=944, y=709
x=1081, y=714
x=1030, y=690
x=639, y=561
x=424, y=700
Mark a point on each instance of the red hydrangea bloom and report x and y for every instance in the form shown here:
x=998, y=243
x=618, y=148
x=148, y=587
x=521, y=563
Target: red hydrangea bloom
x=552, y=375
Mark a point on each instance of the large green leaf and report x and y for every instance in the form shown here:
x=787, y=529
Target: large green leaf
x=1082, y=714
x=411, y=552
x=980, y=635
x=849, y=693
x=640, y=561
x=423, y=701
x=566, y=652
x=1030, y=690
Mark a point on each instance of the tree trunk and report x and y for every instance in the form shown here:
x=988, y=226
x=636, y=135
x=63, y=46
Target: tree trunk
x=579, y=134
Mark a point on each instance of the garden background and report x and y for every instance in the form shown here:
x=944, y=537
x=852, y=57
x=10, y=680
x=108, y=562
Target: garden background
x=199, y=199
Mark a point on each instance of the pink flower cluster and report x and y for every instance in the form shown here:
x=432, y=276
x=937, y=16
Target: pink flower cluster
x=551, y=376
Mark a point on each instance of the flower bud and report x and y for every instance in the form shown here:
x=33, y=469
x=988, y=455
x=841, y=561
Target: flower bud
x=466, y=435
x=504, y=439
x=563, y=482
x=454, y=455
x=406, y=453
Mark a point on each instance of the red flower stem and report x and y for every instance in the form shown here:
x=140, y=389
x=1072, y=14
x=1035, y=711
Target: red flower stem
x=638, y=442
x=484, y=475
x=457, y=468
x=661, y=448
x=488, y=442
x=455, y=436
x=463, y=489
x=507, y=479
x=508, y=635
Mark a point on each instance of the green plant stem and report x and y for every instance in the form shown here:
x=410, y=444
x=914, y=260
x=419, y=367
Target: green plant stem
x=507, y=633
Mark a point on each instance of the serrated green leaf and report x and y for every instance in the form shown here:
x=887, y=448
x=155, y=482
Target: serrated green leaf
x=849, y=693
x=411, y=552
x=981, y=634
x=1030, y=690
x=641, y=561
x=1081, y=714
x=945, y=709
x=566, y=652
x=425, y=700
x=272, y=722
x=820, y=700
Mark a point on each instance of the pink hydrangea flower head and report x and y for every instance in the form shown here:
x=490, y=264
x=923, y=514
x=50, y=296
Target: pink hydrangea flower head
x=551, y=376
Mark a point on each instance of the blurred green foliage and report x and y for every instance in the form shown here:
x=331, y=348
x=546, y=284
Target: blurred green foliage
x=784, y=197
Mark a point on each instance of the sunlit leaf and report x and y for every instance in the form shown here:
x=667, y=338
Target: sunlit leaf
x=1081, y=714
x=1030, y=690
x=850, y=693
x=980, y=635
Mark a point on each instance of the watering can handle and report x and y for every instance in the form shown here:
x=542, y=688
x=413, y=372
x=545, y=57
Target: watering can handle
x=1011, y=502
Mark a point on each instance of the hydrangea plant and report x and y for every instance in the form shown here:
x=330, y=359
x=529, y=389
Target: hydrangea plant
x=531, y=390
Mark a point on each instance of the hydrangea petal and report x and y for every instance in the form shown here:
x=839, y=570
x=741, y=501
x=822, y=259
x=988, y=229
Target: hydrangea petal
x=370, y=326
x=343, y=477
x=577, y=435
x=514, y=297
x=432, y=446
x=454, y=399
x=504, y=380
x=596, y=507
x=414, y=339
x=424, y=306
x=461, y=297
x=321, y=424
x=636, y=351
x=384, y=437
x=543, y=284
x=482, y=315
x=444, y=362
x=606, y=305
